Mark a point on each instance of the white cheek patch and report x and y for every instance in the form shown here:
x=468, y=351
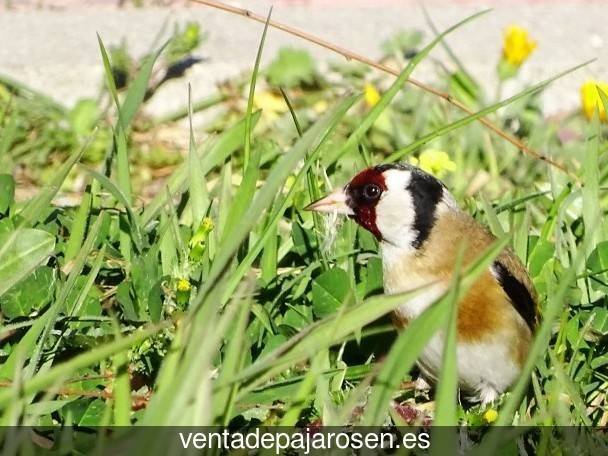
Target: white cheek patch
x=395, y=211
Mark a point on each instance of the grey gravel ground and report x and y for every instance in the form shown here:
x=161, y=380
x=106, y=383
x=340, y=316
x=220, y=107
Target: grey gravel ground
x=56, y=50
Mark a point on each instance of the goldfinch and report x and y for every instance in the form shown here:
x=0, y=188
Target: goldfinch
x=420, y=227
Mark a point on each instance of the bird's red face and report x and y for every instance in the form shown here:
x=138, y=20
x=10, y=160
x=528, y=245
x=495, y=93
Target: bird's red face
x=363, y=193
x=396, y=203
x=358, y=199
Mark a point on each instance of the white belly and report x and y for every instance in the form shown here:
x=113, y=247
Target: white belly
x=484, y=369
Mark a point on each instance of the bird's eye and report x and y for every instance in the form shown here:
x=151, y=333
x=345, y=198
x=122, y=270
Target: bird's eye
x=371, y=192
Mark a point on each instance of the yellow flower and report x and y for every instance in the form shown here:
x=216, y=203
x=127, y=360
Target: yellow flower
x=207, y=225
x=272, y=104
x=184, y=285
x=590, y=98
x=434, y=161
x=517, y=45
x=320, y=106
x=372, y=96
x=490, y=416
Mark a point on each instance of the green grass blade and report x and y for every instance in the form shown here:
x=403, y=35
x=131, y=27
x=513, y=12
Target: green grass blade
x=21, y=89
x=117, y=193
x=92, y=275
x=484, y=112
x=122, y=385
x=123, y=179
x=395, y=87
x=138, y=88
x=272, y=222
x=232, y=363
x=78, y=228
x=108, y=72
x=318, y=336
x=36, y=207
x=251, y=163
x=592, y=211
x=311, y=139
x=61, y=302
x=64, y=370
x=199, y=200
x=400, y=360
x=227, y=142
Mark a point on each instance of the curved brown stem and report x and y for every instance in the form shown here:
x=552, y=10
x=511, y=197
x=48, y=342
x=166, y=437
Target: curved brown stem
x=349, y=55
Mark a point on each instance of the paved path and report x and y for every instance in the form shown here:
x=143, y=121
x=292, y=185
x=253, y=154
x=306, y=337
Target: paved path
x=56, y=50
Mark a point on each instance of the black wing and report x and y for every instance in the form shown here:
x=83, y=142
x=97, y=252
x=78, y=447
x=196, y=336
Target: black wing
x=518, y=294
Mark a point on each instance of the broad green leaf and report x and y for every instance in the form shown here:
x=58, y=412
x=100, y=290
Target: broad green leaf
x=28, y=248
x=597, y=266
x=291, y=68
x=83, y=116
x=93, y=413
x=7, y=192
x=329, y=291
x=31, y=294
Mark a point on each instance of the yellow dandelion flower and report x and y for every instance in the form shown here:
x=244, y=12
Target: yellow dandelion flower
x=271, y=103
x=372, y=96
x=517, y=45
x=184, y=285
x=490, y=416
x=434, y=161
x=590, y=99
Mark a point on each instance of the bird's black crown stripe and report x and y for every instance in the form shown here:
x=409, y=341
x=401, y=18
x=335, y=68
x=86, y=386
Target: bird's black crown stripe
x=401, y=166
x=426, y=193
x=518, y=294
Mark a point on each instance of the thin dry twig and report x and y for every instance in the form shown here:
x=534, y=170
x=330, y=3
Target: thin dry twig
x=349, y=55
x=138, y=401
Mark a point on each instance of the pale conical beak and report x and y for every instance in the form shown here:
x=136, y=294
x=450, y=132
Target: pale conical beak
x=334, y=202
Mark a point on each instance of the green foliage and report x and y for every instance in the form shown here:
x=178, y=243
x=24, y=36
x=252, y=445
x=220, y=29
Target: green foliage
x=7, y=192
x=329, y=292
x=292, y=68
x=403, y=43
x=184, y=42
x=21, y=251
